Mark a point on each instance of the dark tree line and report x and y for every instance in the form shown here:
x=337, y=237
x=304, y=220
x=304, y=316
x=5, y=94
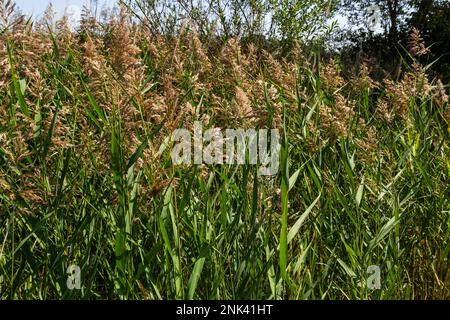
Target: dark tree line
x=280, y=23
x=398, y=18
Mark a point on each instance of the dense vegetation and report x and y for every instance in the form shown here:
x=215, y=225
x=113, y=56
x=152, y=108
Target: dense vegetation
x=86, y=176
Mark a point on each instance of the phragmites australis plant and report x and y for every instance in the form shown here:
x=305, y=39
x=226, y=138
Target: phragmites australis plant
x=87, y=179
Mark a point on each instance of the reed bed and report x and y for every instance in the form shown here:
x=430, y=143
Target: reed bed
x=86, y=176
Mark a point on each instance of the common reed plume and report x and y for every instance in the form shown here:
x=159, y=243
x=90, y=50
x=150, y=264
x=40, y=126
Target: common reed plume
x=4, y=65
x=335, y=119
x=367, y=142
x=282, y=72
x=123, y=51
x=416, y=44
x=126, y=80
x=242, y=108
x=383, y=111
x=230, y=56
x=89, y=24
x=363, y=81
x=440, y=94
x=7, y=12
x=28, y=58
x=414, y=85
x=330, y=76
x=203, y=63
x=94, y=64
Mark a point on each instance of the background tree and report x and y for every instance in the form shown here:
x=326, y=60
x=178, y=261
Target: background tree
x=433, y=20
x=398, y=17
x=287, y=20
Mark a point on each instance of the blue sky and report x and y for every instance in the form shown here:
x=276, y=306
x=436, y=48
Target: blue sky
x=73, y=7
